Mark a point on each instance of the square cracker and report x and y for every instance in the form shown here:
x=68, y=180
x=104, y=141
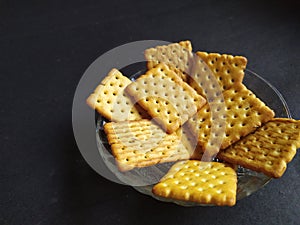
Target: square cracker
x=142, y=143
x=176, y=55
x=219, y=124
x=166, y=97
x=110, y=100
x=214, y=72
x=202, y=182
x=268, y=149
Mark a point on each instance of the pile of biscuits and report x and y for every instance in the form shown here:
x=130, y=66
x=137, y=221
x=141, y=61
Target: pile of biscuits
x=192, y=108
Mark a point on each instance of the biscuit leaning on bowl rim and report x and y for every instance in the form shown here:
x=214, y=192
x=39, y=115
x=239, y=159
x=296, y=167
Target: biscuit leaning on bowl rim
x=269, y=149
x=110, y=100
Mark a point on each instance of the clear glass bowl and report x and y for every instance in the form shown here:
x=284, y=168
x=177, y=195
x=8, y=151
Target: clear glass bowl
x=248, y=181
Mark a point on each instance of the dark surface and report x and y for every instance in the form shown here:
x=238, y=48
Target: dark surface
x=46, y=46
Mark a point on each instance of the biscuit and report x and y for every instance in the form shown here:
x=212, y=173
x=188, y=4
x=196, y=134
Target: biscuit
x=186, y=44
x=110, y=100
x=142, y=143
x=214, y=72
x=219, y=124
x=201, y=182
x=178, y=56
x=268, y=149
x=166, y=98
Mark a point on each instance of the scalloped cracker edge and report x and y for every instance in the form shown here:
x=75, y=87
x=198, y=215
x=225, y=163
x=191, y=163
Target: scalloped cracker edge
x=201, y=182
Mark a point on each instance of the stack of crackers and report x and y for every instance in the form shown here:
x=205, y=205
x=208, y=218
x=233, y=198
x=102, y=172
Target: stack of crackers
x=191, y=109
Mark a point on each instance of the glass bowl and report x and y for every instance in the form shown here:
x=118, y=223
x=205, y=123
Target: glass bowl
x=143, y=179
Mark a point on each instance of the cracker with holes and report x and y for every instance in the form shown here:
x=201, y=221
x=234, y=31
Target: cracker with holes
x=176, y=55
x=219, y=124
x=213, y=72
x=142, y=143
x=166, y=97
x=110, y=100
x=201, y=182
x=268, y=149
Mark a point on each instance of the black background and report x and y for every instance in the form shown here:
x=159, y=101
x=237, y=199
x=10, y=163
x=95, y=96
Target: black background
x=45, y=47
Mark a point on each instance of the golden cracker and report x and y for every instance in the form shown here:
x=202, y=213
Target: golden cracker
x=201, y=182
x=178, y=56
x=186, y=44
x=142, y=143
x=219, y=124
x=215, y=72
x=110, y=100
x=268, y=149
x=166, y=98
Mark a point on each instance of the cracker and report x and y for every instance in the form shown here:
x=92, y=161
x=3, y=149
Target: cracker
x=268, y=149
x=136, y=144
x=213, y=72
x=110, y=100
x=176, y=55
x=186, y=44
x=166, y=98
x=219, y=124
x=201, y=182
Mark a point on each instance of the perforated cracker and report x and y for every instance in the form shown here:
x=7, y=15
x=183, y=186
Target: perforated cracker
x=110, y=100
x=166, y=98
x=202, y=182
x=214, y=72
x=243, y=113
x=136, y=144
x=268, y=149
x=176, y=55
